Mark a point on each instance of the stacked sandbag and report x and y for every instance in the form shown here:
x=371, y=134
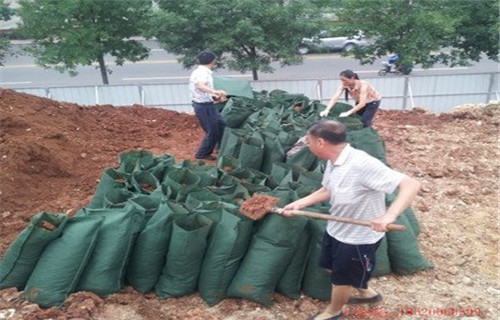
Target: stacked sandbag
x=269, y=253
x=59, y=269
x=226, y=249
x=22, y=255
x=175, y=228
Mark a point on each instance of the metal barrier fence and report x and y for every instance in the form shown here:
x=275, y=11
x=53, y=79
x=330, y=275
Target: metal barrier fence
x=436, y=93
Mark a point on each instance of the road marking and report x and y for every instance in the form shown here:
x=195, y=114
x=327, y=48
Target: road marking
x=149, y=62
x=430, y=69
x=94, y=64
x=20, y=66
x=183, y=77
x=10, y=83
x=321, y=56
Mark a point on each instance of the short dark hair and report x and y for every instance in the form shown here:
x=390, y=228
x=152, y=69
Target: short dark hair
x=205, y=57
x=349, y=74
x=332, y=131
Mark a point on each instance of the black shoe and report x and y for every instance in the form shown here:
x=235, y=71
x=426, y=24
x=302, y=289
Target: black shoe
x=209, y=157
x=359, y=300
x=337, y=317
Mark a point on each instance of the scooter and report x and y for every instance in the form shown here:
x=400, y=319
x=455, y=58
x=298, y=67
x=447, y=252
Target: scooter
x=396, y=69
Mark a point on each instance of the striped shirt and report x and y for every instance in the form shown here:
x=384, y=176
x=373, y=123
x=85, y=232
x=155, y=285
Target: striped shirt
x=371, y=95
x=358, y=183
x=203, y=75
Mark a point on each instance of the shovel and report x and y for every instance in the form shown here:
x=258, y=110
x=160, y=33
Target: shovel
x=259, y=205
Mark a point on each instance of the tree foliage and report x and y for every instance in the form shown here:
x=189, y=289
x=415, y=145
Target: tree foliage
x=5, y=14
x=80, y=32
x=247, y=35
x=425, y=32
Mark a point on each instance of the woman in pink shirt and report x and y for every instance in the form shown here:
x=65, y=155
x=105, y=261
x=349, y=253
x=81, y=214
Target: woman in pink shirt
x=366, y=97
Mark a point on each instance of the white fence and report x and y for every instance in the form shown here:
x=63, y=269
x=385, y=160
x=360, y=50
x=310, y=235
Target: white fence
x=436, y=93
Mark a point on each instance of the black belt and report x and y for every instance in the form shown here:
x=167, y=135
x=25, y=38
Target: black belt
x=202, y=102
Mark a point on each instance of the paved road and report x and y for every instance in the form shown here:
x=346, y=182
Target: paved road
x=162, y=67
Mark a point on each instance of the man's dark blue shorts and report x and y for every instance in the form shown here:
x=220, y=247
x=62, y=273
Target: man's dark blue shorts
x=351, y=265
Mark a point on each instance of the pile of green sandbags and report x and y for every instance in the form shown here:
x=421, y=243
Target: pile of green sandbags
x=175, y=228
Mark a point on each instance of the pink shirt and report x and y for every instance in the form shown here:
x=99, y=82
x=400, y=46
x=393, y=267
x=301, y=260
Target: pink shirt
x=372, y=94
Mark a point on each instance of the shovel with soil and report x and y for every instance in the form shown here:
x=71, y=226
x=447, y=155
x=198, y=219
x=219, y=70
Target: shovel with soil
x=259, y=205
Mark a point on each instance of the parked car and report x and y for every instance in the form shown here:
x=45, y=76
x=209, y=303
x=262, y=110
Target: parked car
x=327, y=42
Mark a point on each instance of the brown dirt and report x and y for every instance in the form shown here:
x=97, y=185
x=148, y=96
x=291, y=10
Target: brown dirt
x=52, y=154
x=258, y=205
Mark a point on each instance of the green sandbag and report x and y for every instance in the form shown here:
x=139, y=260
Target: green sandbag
x=226, y=249
x=233, y=87
x=351, y=123
x=281, y=170
x=162, y=166
x=317, y=282
x=290, y=283
x=57, y=272
x=269, y=253
x=117, y=198
x=311, y=178
x=163, y=192
x=149, y=204
x=339, y=108
x=229, y=188
x=211, y=210
x=236, y=111
x=208, y=174
x=106, y=269
x=273, y=152
x=110, y=179
x=182, y=181
x=185, y=255
x=251, y=153
x=304, y=158
x=289, y=138
x=404, y=252
x=144, y=182
x=408, y=212
x=150, y=249
x=382, y=263
x=244, y=174
x=197, y=198
x=368, y=140
x=22, y=255
x=227, y=163
x=231, y=141
x=255, y=188
x=136, y=161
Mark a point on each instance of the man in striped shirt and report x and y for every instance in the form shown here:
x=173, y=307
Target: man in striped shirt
x=355, y=185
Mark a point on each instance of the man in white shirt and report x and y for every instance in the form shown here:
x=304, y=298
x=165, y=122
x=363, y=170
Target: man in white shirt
x=203, y=96
x=355, y=185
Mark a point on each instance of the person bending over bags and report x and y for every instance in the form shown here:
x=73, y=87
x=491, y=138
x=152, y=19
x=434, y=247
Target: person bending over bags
x=364, y=94
x=355, y=185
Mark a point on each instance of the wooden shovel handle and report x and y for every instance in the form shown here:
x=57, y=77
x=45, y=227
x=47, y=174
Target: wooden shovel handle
x=314, y=215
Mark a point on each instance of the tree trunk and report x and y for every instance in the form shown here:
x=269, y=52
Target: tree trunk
x=255, y=75
x=102, y=67
x=254, y=70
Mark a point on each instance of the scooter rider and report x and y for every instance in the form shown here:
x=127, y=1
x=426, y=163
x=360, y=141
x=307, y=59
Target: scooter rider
x=393, y=61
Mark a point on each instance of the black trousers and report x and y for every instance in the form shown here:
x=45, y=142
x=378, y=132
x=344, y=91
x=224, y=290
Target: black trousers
x=212, y=123
x=368, y=113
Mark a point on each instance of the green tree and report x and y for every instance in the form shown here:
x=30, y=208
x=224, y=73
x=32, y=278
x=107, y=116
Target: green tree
x=5, y=14
x=81, y=32
x=425, y=32
x=246, y=35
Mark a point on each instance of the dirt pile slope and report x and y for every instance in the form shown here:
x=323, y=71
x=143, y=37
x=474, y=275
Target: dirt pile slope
x=52, y=154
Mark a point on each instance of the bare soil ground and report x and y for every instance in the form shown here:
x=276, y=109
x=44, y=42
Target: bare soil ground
x=52, y=154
